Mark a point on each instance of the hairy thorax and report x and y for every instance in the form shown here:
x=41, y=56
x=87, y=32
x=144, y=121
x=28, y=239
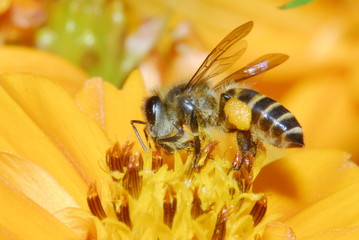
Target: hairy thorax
x=200, y=100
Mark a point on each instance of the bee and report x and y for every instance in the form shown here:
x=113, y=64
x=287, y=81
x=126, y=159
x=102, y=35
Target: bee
x=180, y=118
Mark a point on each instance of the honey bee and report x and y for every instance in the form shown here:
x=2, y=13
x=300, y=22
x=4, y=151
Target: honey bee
x=180, y=118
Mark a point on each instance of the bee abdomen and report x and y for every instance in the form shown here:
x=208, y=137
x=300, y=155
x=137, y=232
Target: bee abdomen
x=271, y=120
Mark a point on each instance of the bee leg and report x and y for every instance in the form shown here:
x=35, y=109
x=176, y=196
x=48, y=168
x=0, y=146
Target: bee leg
x=245, y=142
x=133, y=122
x=196, y=140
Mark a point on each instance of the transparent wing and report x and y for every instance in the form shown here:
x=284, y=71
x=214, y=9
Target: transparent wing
x=258, y=66
x=222, y=56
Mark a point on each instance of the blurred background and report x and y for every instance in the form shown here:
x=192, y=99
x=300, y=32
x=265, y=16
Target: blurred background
x=168, y=40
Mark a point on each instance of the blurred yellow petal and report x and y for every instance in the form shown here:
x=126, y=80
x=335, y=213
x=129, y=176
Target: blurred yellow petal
x=78, y=137
x=113, y=109
x=21, y=59
x=327, y=113
x=5, y=5
x=24, y=219
x=299, y=180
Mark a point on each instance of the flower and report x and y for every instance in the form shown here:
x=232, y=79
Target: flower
x=59, y=152
x=53, y=158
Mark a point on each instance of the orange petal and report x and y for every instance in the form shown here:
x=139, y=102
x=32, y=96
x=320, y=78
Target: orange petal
x=34, y=182
x=113, y=109
x=24, y=219
x=21, y=59
x=299, y=180
x=79, y=138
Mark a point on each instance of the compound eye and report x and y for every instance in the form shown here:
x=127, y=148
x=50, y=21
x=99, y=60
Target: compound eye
x=153, y=109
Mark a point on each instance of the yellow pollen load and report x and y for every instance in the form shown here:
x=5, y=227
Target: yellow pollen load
x=239, y=114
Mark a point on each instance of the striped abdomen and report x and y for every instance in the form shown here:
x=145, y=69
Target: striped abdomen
x=272, y=122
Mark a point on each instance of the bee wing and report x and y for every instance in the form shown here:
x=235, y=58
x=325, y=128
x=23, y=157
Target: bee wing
x=258, y=66
x=222, y=56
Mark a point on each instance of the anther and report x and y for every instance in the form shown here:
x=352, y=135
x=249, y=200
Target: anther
x=117, y=157
x=94, y=203
x=169, y=206
x=123, y=212
x=220, y=228
x=196, y=209
x=259, y=210
x=132, y=181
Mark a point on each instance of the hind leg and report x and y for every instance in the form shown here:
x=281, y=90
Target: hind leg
x=245, y=142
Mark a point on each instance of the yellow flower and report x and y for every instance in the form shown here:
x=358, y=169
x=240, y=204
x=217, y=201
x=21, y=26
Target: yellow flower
x=63, y=144
x=53, y=148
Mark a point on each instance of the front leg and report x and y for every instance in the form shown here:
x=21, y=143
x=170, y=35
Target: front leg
x=196, y=140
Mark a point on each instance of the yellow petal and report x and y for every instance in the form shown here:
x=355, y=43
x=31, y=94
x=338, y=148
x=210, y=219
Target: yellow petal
x=21, y=135
x=79, y=138
x=24, y=219
x=299, y=180
x=21, y=59
x=34, y=182
x=78, y=220
x=91, y=99
x=337, y=211
x=350, y=233
x=113, y=109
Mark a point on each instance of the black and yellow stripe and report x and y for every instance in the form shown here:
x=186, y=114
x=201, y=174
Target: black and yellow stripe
x=273, y=122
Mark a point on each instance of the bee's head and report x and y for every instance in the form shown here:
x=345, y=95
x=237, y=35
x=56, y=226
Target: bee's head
x=159, y=122
x=153, y=110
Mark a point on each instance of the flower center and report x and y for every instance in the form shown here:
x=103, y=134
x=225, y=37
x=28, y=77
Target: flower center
x=147, y=199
